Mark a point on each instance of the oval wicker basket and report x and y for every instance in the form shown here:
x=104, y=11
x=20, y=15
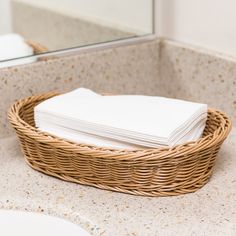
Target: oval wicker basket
x=151, y=172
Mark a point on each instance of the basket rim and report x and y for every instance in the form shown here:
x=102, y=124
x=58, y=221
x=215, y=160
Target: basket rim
x=37, y=47
x=219, y=135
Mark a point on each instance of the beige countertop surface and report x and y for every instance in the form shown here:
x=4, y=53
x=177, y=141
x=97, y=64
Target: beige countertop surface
x=209, y=211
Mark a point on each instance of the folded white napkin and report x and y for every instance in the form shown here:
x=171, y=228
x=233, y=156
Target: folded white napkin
x=13, y=46
x=124, y=121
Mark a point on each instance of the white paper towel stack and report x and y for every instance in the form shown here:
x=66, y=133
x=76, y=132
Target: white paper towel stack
x=13, y=46
x=122, y=121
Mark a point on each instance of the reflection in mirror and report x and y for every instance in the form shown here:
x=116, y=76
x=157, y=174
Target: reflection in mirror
x=29, y=27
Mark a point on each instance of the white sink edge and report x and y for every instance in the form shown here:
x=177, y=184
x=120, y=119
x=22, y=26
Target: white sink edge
x=15, y=222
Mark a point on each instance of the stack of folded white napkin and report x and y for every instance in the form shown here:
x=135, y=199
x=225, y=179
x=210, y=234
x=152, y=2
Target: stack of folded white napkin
x=125, y=121
x=13, y=46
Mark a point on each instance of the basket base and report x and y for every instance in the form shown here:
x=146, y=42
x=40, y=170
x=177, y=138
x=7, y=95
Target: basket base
x=155, y=193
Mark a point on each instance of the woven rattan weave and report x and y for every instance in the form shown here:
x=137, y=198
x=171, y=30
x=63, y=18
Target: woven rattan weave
x=150, y=172
x=37, y=47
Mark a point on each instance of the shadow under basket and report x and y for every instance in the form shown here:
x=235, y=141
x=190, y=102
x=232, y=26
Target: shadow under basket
x=148, y=172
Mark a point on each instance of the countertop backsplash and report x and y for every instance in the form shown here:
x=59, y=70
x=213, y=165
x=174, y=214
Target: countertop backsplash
x=198, y=74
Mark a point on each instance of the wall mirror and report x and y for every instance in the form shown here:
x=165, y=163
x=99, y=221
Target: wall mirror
x=47, y=26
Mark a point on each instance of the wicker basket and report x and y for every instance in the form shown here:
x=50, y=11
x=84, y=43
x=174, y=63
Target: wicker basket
x=37, y=47
x=151, y=172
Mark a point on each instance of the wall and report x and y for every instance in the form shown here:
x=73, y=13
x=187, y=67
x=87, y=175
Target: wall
x=5, y=18
x=207, y=23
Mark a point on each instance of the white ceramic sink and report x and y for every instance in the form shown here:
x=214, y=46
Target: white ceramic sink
x=17, y=223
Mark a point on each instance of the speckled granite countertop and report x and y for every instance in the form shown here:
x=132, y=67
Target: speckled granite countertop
x=209, y=211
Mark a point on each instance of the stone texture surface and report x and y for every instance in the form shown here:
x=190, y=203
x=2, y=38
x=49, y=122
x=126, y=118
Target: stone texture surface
x=168, y=69
x=129, y=69
x=198, y=75
x=209, y=211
